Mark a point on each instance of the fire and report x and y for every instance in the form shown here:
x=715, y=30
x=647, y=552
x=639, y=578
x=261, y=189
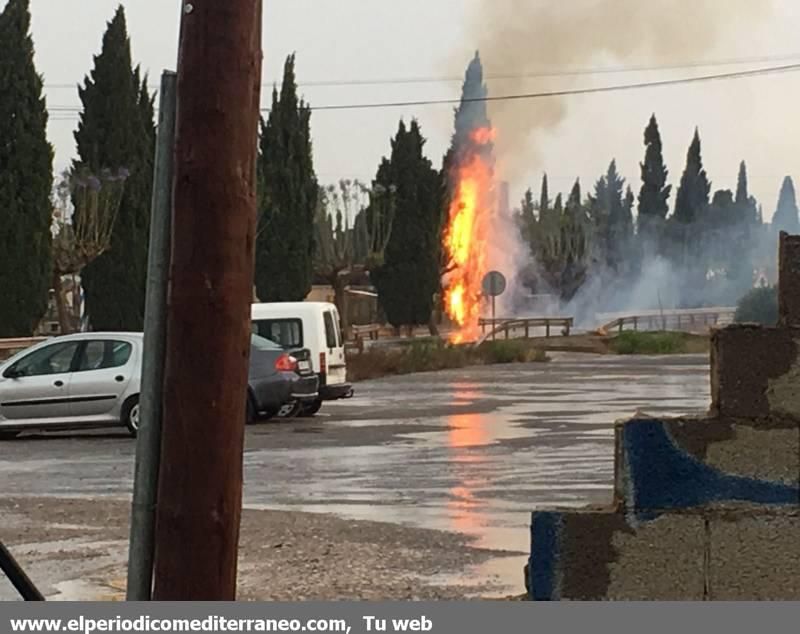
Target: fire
x=465, y=238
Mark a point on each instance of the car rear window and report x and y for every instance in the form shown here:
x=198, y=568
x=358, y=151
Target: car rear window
x=330, y=330
x=261, y=343
x=287, y=333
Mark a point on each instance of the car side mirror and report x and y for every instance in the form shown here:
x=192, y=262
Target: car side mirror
x=12, y=373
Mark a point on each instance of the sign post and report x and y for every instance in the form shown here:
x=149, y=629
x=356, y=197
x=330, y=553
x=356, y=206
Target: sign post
x=494, y=285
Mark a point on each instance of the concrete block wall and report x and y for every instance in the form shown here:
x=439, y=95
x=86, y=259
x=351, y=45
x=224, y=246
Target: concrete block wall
x=704, y=508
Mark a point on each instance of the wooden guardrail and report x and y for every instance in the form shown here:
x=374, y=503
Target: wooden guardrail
x=368, y=332
x=9, y=347
x=504, y=326
x=672, y=319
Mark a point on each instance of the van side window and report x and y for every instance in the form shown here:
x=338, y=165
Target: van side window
x=287, y=333
x=338, y=323
x=330, y=330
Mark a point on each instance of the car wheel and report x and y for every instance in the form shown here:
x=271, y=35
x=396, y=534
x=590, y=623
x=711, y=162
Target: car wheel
x=8, y=435
x=310, y=409
x=290, y=410
x=130, y=415
x=251, y=416
x=268, y=414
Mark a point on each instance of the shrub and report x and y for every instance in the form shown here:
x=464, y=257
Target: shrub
x=759, y=306
x=429, y=356
x=511, y=351
x=632, y=342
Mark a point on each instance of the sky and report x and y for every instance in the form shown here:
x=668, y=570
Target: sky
x=353, y=41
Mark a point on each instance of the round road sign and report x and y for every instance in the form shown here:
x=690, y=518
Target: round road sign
x=494, y=283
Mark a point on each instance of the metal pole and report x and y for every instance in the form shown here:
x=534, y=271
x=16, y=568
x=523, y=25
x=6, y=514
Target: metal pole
x=148, y=448
x=210, y=292
x=17, y=576
x=494, y=323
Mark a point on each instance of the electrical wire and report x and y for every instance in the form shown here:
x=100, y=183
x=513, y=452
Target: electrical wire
x=534, y=95
x=540, y=74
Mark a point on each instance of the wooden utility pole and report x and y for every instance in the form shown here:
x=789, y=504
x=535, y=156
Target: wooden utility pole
x=211, y=285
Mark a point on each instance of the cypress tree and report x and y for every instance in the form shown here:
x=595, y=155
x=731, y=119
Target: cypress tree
x=544, y=200
x=558, y=207
x=26, y=177
x=409, y=277
x=575, y=244
x=608, y=218
x=786, y=214
x=116, y=131
x=527, y=222
x=743, y=235
x=746, y=205
x=691, y=200
x=741, y=185
x=690, y=225
x=655, y=192
x=472, y=114
x=288, y=200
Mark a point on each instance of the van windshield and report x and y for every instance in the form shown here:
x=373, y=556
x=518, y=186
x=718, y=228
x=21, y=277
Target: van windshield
x=287, y=333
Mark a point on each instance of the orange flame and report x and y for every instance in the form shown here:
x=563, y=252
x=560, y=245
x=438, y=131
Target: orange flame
x=465, y=239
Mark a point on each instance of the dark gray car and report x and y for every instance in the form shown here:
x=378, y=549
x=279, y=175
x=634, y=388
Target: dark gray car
x=280, y=382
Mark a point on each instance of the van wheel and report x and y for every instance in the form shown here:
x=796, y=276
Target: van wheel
x=8, y=435
x=311, y=409
x=130, y=415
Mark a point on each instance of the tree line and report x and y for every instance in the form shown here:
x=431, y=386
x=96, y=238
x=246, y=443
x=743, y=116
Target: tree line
x=714, y=245
x=94, y=219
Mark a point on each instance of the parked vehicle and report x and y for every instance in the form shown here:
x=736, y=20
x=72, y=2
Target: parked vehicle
x=92, y=380
x=280, y=382
x=316, y=327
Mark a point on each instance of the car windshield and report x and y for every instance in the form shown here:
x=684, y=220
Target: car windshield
x=261, y=343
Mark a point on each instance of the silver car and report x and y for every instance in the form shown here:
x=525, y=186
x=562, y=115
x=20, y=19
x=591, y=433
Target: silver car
x=74, y=381
x=93, y=380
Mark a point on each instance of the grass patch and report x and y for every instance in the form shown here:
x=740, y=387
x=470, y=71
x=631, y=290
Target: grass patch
x=511, y=351
x=433, y=356
x=654, y=343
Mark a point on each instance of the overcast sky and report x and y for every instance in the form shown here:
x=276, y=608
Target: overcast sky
x=756, y=119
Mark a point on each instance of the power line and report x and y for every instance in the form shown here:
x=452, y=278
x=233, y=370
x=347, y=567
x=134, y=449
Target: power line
x=540, y=74
x=63, y=110
x=571, y=91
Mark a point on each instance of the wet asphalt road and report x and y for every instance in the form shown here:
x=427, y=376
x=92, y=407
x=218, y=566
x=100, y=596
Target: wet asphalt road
x=470, y=450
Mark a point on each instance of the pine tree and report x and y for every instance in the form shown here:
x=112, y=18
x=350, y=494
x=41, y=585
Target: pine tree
x=654, y=193
x=786, y=214
x=26, y=177
x=288, y=200
x=409, y=278
x=116, y=131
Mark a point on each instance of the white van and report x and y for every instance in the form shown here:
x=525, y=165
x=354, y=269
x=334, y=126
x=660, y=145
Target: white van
x=316, y=327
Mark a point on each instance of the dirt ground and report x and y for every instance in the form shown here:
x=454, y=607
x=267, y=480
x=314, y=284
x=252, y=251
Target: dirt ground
x=75, y=549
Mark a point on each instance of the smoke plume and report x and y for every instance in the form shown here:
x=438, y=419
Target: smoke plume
x=545, y=37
